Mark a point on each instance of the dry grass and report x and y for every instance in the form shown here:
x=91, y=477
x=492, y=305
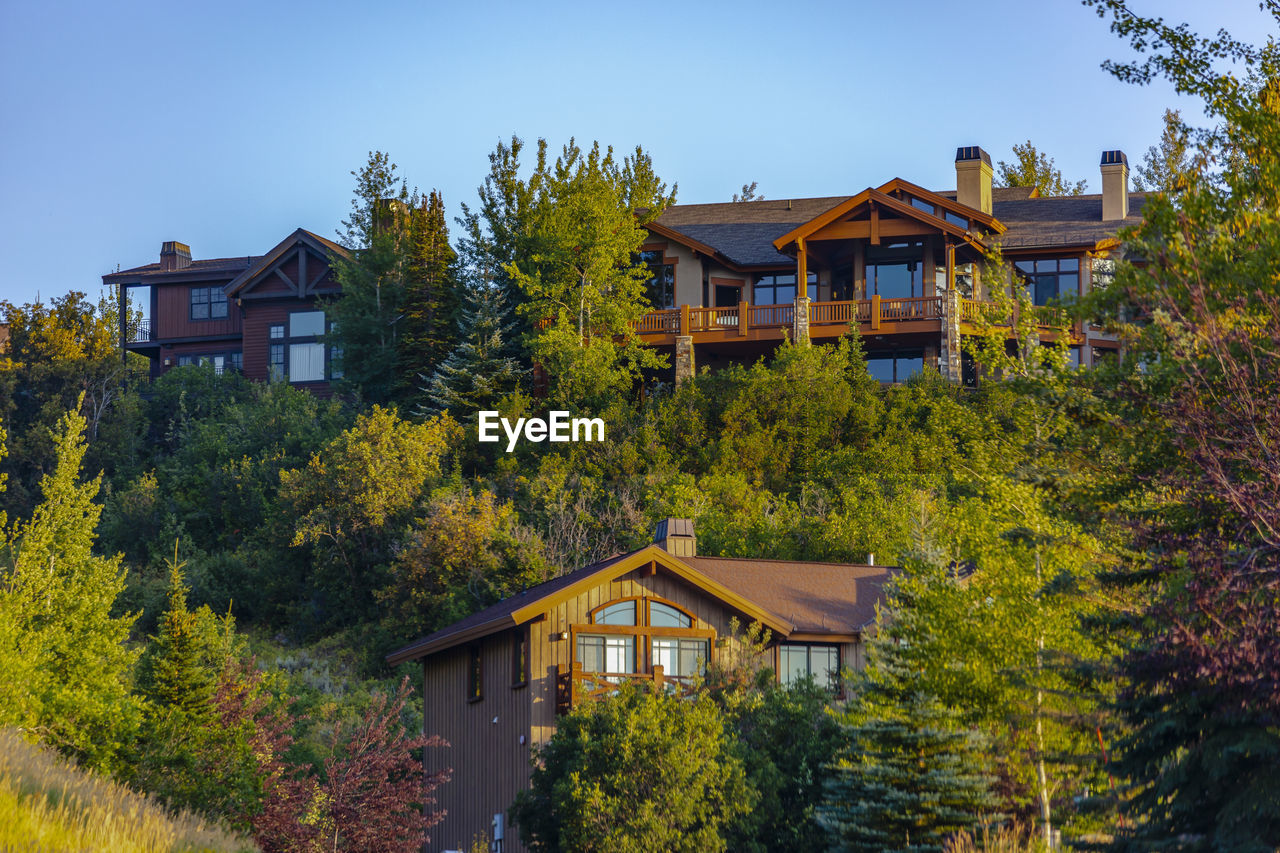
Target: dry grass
x=1000, y=839
x=49, y=805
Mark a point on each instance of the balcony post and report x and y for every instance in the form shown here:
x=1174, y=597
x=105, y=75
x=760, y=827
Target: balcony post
x=744, y=319
x=658, y=677
x=875, y=312
x=122, y=311
x=686, y=364
x=800, y=320
x=685, y=327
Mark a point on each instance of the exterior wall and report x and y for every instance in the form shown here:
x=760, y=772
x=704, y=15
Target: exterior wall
x=173, y=313
x=489, y=748
x=258, y=318
x=688, y=274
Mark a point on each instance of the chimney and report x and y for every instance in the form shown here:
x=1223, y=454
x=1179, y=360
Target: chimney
x=973, y=178
x=174, y=256
x=676, y=537
x=1115, y=185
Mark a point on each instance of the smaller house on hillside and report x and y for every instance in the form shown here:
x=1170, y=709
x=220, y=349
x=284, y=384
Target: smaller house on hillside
x=261, y=315
x=495, y=682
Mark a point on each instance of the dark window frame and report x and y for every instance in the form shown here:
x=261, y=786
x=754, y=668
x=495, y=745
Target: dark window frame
x=834, y=675
x=661, y=271
x=520, y=658
x=475, y=674
x=205, y=297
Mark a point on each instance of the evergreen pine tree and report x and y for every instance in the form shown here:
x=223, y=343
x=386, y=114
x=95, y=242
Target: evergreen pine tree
x=56, y=600
x=431, y=296
x=910, y=775
x=176, y=671
x=482, y=368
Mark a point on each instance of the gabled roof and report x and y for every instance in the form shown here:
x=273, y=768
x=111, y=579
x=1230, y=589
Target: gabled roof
x=321, y=246
x=785, y=597
x=881, y=196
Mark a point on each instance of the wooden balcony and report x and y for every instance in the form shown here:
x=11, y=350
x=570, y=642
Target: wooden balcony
x=743, y=322
x=574, y=686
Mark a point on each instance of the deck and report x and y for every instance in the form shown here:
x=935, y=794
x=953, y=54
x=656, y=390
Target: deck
x=744, y=322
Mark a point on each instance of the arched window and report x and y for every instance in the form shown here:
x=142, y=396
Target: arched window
x=637, y=634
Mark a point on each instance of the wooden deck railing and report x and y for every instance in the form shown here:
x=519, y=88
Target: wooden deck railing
x=574, y=685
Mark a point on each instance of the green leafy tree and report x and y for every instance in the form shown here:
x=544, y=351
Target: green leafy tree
x=748, y=193
x=1032, y=168
x=1168, y=167
x=62, y=638
x=635, y=772
x=350, y=502
x=1198, y=755
x=482, y=368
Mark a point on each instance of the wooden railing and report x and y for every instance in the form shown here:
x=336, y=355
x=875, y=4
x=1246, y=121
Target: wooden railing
x=839, y=313
x=910, y=308
x=771, y=316
x=574, y=685
x=973, y=311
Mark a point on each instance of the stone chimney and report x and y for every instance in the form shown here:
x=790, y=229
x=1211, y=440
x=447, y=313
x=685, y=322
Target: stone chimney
x=676, y=537
x=174, y=256
x=973, y=178
x=1115, y=185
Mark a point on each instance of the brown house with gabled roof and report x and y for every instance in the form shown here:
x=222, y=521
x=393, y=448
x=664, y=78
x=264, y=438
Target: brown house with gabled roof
x=494, y=682
x=258, y=314
x=901, y=262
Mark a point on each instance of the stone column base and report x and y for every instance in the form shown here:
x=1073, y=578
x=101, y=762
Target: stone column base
x=800, y=321
x=686, y=366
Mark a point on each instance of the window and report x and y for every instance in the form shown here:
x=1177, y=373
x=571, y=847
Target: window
x=779, y=289
x=520, y=658
x=661, y=285
x=306, y=362
x=1050, y=281
x=306, y=324
x=643, y=633
x=305, y=353
x=275, y=365
x=612, y=653
x=821, y=663
x=680, y=657
x=896, y=366
x=894, y=271
x=208, y=303
x=221, y=362
x=622, y=613
x=475, y=675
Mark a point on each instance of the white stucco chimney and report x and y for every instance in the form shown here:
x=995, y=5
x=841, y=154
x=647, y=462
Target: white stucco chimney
x=1115, y=185
x=973, y=178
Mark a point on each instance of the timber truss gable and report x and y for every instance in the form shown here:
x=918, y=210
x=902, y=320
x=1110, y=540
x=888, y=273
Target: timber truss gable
x=299, y=267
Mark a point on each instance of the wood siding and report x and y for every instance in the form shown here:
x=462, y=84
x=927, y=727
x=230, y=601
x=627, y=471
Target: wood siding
x=490, y=764
x=173, y=313
x=259, y=317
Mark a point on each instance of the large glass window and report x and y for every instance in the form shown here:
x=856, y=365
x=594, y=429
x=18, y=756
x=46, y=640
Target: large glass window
x=661, y=285
x=680, y=657
x=894, y=271
x=306, y=324
x=622, y=613
x=780, y=289
x=306, y=362
x=613, y=653
x=666, y=616
x=820, y=662
x=208, y=303
x=1050, y=281
x=897, y=366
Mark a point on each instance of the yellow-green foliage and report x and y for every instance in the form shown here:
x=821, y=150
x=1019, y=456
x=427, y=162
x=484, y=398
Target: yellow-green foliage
x=49, y=805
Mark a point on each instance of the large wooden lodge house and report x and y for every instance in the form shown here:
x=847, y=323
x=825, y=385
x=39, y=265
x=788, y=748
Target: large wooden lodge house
x=904, y=263
x=494, y=682
x=729, y=280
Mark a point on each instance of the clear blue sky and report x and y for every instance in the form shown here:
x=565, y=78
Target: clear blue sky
x=227, y=125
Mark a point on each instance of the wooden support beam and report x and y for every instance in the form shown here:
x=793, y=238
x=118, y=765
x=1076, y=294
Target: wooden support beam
x=302, y=271
x=744, y=319
x=802, y=269
x=875, y=225
x=875, y=312
x=862, y=230
x=685, y=327
x=287, y=281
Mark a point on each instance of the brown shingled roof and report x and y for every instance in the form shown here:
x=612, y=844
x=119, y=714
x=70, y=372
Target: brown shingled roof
x=818, y=598
x=230, y=265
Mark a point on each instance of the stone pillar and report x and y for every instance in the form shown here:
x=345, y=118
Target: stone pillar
x=800, y=320
x=686, y=367
x=949, y=348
